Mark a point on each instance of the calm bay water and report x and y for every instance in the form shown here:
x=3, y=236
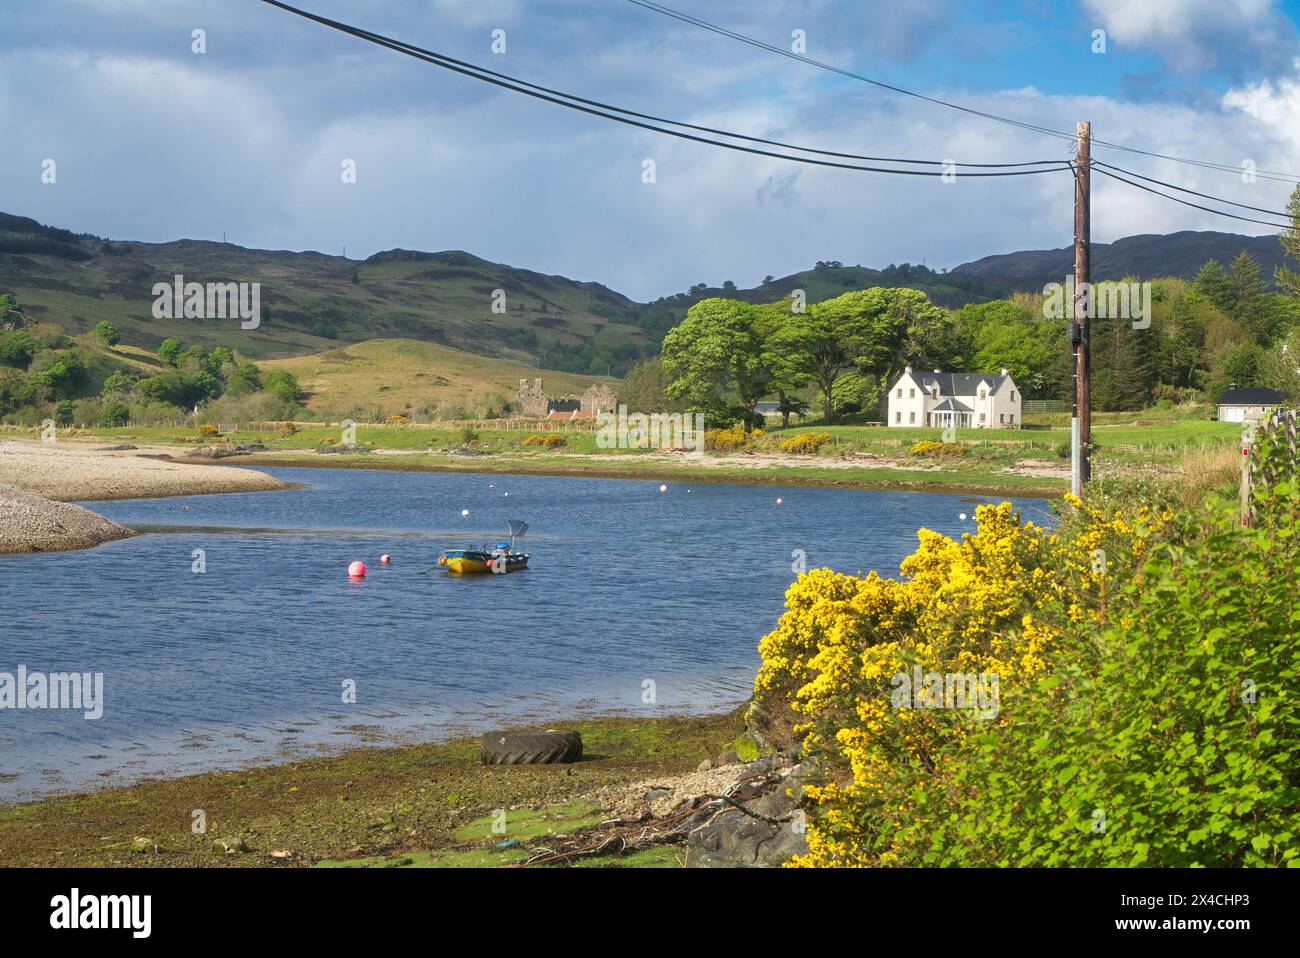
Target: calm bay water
x=247, y=661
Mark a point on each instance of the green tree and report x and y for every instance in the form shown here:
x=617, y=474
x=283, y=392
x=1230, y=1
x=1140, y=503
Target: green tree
x=717, y=349
x=119, y=383
x=64, y=412
x=18, y=347
x=645, y=389
x=11, y=314
x=107, y=333
x=282, y=384
x=1247, y=295
x=116, y=414
x=170, y=351
x=1213, y=283
x=1284, y=276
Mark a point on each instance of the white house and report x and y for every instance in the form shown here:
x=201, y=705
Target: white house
x=1240, y=404
x=965, y=400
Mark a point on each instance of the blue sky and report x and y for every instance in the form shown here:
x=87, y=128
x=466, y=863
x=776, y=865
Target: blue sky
x=155, y=142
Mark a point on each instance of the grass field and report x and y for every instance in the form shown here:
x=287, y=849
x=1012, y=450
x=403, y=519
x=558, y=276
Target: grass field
x=408, y=377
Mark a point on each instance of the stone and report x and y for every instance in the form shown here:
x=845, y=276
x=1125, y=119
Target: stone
x=704, y=766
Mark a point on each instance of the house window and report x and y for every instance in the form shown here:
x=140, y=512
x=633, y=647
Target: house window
x=1002, y=418
x=900, y=392
x=911, y=393
x=984, y=394
x=981, y=417
x=1013, y=395
x=898, y=417
x=911, y=417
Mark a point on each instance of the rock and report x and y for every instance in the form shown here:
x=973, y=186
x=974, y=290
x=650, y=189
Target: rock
x=704, y=766
x=657, y=793
x=736, y=840
x=282, y=853
x=123, y=447
x=230, y=846
x=728, y=758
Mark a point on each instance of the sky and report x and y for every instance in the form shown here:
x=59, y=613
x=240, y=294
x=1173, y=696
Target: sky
x=154, y=141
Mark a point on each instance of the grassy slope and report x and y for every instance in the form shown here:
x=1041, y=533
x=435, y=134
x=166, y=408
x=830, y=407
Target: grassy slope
x=443, y=298
x=402, y=375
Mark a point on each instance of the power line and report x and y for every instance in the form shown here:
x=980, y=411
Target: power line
x=632, y=118
x=1047, y=131
x=1183, y=189
x=1234, y=216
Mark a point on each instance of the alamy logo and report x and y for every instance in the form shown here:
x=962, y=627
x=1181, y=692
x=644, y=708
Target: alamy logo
x=103, y=911
x=977, y=691
x=1099, y=300
x=53, y=690
x=182, y=300
x=676, y=430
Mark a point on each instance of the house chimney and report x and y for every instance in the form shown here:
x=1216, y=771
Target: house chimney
x=936, y=371
x=907, y=369
x=1004, y=371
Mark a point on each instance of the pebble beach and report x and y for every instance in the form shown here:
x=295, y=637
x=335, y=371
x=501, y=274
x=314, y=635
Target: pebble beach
x=39, y=481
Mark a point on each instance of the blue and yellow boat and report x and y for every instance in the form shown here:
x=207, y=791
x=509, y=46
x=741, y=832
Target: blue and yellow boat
x=499, y=559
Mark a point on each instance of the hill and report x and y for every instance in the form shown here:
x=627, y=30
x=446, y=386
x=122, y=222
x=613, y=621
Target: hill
x=1146, y=256
x=312, y=301
x=415, y=379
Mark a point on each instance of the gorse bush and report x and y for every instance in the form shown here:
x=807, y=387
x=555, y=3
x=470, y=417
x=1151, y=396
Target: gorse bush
x=1146, y=708
x=936, y=450
x=806, y=443
x=728, y=440
x=549, y=441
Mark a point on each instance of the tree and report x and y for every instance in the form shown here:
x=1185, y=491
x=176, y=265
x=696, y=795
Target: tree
x=1212, y=282
x=11, y=314
x=645, y=389
x=717, y=349
x=830, y=337
x=170, y=351
x=1284, y=276
x=107, y=333
x=119, y=383
x=1247, y=295
x=282, y=384
x=18, y=347
x=116, y=414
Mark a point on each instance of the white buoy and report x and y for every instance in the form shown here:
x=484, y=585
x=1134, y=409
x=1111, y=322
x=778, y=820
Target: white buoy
x=962, y=517
x=464, y=513
x=505, y=493
x=663, y=488
x=780, y=501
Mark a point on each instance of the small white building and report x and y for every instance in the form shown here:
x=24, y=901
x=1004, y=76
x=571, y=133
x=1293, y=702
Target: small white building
x=1241, y=404
x=964, y=400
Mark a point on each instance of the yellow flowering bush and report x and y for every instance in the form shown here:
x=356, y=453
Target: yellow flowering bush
x=728, y=440
x=989, y=606
x=929, y=448
x=806, y=443
x=547, y=441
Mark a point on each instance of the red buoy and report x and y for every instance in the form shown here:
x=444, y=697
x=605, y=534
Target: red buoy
x=357, y=570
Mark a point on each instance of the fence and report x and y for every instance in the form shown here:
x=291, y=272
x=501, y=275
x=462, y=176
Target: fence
x=1042, y=405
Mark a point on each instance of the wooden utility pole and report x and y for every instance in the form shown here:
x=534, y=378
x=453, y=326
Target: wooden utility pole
x=1081, y=427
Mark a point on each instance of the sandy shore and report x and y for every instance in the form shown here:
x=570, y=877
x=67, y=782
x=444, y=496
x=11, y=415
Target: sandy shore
x=34, y=474
x=68, y=472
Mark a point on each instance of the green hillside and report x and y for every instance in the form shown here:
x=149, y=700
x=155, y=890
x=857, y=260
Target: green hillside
x=313, y=302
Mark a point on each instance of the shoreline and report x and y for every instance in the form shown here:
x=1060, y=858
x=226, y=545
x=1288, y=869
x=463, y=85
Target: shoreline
x=365, y=801
x=41, y=483
x=585, y=469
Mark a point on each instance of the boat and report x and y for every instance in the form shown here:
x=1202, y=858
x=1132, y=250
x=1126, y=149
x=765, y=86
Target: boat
x=499, y=559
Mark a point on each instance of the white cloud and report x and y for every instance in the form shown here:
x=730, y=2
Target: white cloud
x=1191, y=35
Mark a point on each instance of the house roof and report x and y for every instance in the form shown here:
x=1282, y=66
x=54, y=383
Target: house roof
x=570, y=414
x=1249, y=396
x=952, y=405
x=958, y=384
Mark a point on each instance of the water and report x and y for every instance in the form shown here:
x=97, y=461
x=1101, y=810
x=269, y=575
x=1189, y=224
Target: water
x=248, y=661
